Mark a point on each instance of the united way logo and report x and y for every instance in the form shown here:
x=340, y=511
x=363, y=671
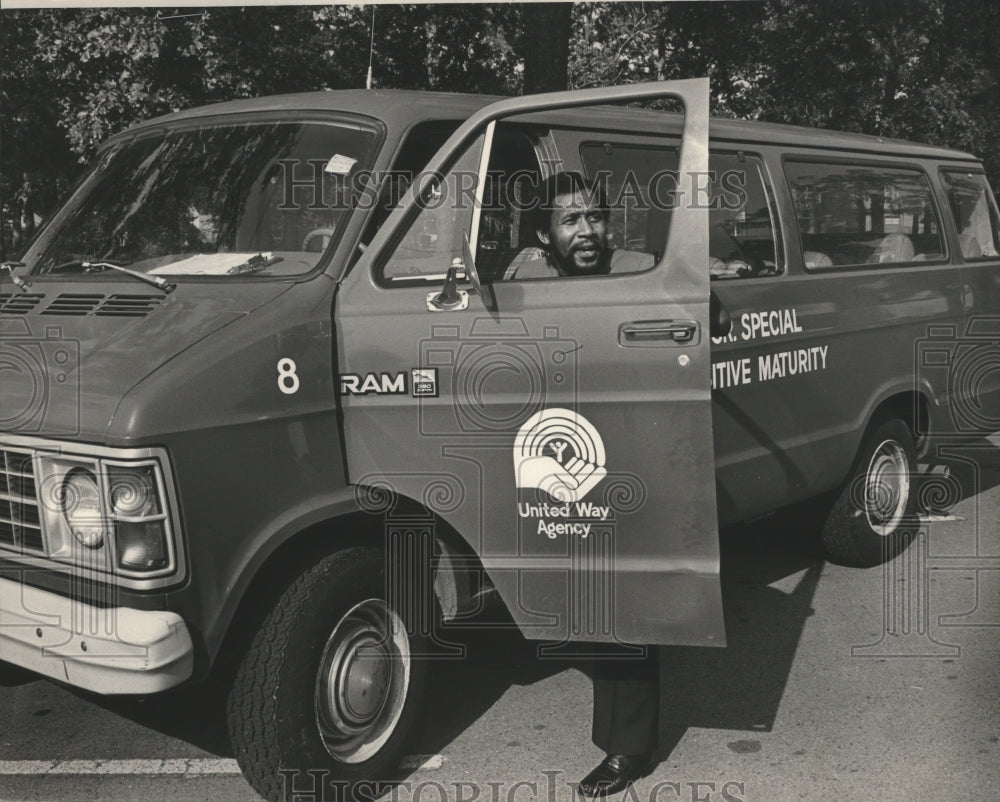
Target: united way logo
x=560, y=452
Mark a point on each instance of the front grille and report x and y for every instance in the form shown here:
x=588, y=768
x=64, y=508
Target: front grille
x=79, y=304
x=20, y=527
x=19, y=303
x=129, y=305
x=73, y=304
x=35, y=525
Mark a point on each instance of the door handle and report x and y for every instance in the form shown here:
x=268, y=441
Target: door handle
x=678, y=331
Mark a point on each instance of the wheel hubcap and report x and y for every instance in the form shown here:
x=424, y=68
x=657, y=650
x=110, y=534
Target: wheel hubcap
x=363, y=680
x=887, y=488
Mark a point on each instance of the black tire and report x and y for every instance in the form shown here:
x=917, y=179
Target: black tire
x=329, y=684
x=874, y=516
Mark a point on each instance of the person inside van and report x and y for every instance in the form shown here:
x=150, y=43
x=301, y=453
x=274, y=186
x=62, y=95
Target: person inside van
x=571, y=222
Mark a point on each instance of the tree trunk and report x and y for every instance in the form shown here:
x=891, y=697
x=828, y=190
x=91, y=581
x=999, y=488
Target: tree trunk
x=546, y=46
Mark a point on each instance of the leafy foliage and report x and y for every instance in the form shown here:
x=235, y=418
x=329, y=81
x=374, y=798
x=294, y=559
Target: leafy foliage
x=921, y=69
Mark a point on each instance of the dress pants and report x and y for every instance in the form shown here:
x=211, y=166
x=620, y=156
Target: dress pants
x=626, y=700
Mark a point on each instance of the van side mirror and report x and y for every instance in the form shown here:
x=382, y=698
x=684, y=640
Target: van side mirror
x=719, y=322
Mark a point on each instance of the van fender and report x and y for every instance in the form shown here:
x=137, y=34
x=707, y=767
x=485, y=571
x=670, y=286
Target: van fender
x=383, y=496
x=370, y=505
x=902, y=396
x=267, y=540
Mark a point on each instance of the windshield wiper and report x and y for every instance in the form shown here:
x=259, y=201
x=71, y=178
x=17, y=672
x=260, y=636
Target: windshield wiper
x=19, y=282
x=160, y=283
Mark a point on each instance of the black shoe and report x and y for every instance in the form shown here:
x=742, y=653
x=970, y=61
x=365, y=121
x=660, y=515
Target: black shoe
x=614, y=775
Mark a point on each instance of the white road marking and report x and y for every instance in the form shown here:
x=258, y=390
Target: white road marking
x=168, y=766
x=183, y=766
x=422, y=762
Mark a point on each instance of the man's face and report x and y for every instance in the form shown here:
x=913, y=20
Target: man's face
x=578, y=233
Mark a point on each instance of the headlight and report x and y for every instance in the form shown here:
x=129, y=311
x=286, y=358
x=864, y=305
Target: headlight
x=108, y=514
x=141, y=538
x=141, y=546
x=133, y=492
x=80, y=498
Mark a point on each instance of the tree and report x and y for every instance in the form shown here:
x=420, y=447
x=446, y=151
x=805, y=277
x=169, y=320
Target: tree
x=427, y=46
x=924, y=70
x=36, y=159
x=545, y=45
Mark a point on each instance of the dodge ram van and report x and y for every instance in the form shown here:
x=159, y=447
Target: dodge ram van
x=275, y=401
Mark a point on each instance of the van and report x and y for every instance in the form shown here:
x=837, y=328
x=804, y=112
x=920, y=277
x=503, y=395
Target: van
x=275, y=402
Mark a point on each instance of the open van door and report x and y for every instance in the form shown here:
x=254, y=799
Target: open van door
x=561, y=426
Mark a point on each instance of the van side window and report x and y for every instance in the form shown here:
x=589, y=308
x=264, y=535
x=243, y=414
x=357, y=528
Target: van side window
x=742, y=216
x=744, y=235
x=505, y=235
x=639, y=184
x=433, y=239
x=852, y=214
x=975, y=213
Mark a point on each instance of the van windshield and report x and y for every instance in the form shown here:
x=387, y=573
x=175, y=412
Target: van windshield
x=221, y=200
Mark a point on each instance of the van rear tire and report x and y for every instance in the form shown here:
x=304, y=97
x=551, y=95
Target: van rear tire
x=874, y=517
x=328, y=689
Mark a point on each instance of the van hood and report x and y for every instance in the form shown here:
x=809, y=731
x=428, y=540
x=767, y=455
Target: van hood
x=69, y=352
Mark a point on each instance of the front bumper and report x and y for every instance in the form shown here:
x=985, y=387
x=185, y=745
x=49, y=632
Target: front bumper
x=107, y=650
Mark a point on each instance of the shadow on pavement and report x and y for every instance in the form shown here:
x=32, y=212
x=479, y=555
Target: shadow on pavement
x=737, y=688
x=12, y=676
x=740, y=687
x=956, y=470
x=196, y=715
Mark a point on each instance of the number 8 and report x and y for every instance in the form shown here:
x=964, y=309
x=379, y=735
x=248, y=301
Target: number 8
x=288, y=382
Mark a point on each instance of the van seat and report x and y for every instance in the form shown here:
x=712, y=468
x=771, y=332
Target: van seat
x=892, y=248
x=492, y=264
x=816, y=259
x=969, y=243
x=524, y=255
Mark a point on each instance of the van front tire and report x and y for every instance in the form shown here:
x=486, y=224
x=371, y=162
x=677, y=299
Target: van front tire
x=328, y=688
x=874, y=517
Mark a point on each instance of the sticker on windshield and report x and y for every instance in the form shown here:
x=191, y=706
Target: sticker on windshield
x=559, y=451
x=340, y=165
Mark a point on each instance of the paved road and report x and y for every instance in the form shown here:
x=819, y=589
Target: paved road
x=837, y=684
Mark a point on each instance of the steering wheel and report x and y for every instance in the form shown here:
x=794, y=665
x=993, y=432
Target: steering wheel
x=318, y=232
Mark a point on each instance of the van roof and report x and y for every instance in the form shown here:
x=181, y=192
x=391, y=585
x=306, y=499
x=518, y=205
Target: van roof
x=401, y=108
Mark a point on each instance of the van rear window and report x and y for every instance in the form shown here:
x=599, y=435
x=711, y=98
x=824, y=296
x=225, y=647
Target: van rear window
x=975, y=214
x=851, y=214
